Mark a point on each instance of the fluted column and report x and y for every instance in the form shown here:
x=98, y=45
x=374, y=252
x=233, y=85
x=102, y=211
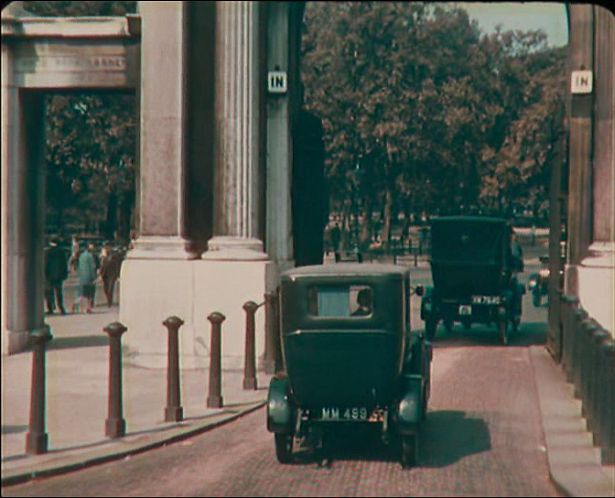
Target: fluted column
x=238, y=144
x=163, y=131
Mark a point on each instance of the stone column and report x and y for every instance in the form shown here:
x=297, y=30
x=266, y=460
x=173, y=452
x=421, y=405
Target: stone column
x=597, y=269
x=23, y=210
x=279, y=152
x=237, y=230
x=157, y=276
x=580, y=144
x=163, y=130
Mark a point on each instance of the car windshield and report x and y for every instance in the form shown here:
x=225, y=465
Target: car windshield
x=340, y=301
x=469, y=241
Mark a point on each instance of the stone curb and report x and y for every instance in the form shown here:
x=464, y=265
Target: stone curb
x=574, y=464
x=69, y=463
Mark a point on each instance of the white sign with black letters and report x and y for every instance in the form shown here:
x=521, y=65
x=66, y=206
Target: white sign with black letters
x=277, y=82
x=581, y=82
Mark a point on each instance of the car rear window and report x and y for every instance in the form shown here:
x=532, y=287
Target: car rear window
x=340, y=301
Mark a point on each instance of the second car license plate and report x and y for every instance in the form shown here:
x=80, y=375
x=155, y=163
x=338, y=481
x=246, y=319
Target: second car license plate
x=465, y=310
x=354, y=413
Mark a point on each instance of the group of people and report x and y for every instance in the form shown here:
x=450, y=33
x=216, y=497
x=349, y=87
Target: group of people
x=88, y=266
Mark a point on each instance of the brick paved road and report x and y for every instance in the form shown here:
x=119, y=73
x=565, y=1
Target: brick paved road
x=483, y=437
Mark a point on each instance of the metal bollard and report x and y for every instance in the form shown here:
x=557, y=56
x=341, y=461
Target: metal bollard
x=578, y=316
x=607, y=416
x=269, y=356
x=590, y=330
x=36, y=439
x=214, y=399
x=115, y=425
x=173, y=411
x=593, y=389
x=416, y=260
x=569, y=304
x=588, y=327
x=249, y=371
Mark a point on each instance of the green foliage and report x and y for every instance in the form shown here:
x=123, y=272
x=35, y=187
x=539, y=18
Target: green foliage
x=90, y=145
x=422, y=111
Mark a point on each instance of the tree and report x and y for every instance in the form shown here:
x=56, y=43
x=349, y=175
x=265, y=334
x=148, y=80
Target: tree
x=91, y=144
x=421, y=110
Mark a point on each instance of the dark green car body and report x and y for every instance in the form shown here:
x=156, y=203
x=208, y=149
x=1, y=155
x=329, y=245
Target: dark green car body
x=345, y=363
x=473, y=270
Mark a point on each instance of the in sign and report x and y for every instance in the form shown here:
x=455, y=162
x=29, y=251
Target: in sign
x=277, y=82
x=581, y=82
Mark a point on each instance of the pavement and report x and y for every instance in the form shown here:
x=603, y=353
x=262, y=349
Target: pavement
x=77, y=363
x=77, y=390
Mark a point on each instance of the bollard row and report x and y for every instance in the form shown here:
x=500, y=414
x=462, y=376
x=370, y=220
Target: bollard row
x=588, y=360
x=115, y=424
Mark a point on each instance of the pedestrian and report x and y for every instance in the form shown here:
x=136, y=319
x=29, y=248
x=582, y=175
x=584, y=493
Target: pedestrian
x=56, y=271
x=336, y=234
x=86, y=273
x=109, y=271
x=74, y=254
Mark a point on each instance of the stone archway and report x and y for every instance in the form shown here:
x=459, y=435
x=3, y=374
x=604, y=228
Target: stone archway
x=42, y=55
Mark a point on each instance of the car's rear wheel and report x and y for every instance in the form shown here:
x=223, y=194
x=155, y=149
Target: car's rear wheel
x=431, y=325
x=409, y=451
x=503, y=331
x=284, y=447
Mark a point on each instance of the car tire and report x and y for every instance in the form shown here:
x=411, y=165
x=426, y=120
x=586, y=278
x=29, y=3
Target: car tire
x=431, y=326
x=409, y=451
x=503, y=331
x=284, y=447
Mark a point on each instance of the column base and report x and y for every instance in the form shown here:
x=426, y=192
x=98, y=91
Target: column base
x=596, y=275
x=215, y=402
x=230, y=248
x=162, y=247
x=17, y=341
x=153, y=290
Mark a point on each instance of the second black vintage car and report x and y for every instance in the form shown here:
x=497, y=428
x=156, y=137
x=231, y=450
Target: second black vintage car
x=473, y=265
x=349, y=357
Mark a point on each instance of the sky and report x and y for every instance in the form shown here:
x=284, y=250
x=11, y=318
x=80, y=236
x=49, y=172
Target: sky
x=548, y=16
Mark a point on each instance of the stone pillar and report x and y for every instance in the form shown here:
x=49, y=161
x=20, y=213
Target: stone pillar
x=23, y=210
x=237, y=230
x=235, y=268
x=163, y=157
x=279, y=145
x=580, y=144
x=157, y=276
x=597, y=269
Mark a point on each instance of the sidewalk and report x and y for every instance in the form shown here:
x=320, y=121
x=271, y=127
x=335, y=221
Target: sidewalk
x=574, y=463
x=77, y=363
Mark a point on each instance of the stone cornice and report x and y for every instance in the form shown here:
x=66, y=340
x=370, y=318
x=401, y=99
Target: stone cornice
x=71, y=27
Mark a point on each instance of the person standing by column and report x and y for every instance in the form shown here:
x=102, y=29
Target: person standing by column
x=86, y=273
x=56, y=271
x=109, y=271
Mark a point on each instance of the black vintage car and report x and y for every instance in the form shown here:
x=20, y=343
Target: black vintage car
x=349, y=357
x=473, y=265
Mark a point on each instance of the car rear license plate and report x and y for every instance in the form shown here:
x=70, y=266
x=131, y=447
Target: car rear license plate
x=355, y=413
x=465, y=310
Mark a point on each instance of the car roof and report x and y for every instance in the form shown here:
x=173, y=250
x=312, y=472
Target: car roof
x=347, y=269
